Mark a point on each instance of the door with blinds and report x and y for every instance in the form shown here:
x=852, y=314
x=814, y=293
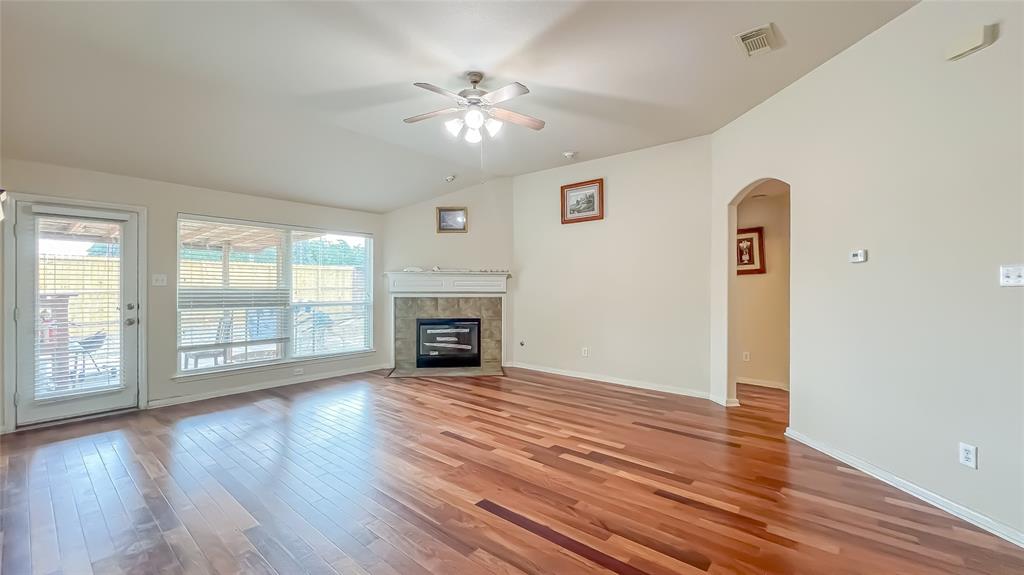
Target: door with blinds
x=77, y=312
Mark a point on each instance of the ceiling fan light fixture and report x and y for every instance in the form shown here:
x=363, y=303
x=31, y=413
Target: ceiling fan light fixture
x=474, y=110
x=474, y=118
x=454, y=127
x=493, y=126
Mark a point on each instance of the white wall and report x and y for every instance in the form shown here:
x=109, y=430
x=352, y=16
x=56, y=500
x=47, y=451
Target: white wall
x=761, y=305
x=413, y=239
x=632, y=287
x=163, y=202
x=891, y=148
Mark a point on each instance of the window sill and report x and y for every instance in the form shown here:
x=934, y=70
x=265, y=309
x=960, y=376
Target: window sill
x=268, y=366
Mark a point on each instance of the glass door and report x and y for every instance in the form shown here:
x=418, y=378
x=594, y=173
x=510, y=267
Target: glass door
x=77, y=311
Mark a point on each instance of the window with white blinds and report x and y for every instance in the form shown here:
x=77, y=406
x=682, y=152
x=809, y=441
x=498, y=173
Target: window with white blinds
x=257, y=293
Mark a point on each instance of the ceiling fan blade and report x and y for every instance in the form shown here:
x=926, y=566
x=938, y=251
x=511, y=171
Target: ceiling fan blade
x=507, y=93
x=429, y=115
x=441, y=91
x=517, y=118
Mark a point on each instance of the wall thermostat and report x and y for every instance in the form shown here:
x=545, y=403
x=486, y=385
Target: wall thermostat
x=1011, y=276
x=858, y=256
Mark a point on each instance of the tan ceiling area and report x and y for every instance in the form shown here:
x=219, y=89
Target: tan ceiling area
x=304, y=101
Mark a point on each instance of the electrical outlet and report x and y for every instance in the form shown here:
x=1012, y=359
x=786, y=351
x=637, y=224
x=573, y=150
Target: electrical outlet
x=298, y=371
x=585, y=352
x=969, y=455
x=746, y=356
x=159, y=280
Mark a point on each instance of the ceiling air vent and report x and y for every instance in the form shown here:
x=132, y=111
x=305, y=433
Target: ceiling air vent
x=757, y=41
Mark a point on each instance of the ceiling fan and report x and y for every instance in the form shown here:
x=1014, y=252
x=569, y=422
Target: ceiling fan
x=477, y=109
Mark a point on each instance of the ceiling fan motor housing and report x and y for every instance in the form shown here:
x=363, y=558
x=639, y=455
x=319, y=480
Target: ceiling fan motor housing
x=473, y=94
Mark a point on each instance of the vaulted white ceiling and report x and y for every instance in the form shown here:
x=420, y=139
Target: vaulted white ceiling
x=304, y=101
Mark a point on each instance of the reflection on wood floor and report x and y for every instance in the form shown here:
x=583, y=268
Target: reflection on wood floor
x=529, y=473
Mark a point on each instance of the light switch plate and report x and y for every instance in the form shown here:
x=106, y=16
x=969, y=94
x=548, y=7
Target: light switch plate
x=858, y=256
x=159, y=280
x=1011, y=276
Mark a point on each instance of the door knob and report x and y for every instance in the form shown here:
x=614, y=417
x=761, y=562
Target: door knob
x=131, y=321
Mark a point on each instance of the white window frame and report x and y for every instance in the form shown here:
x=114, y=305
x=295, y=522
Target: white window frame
x=288, y=356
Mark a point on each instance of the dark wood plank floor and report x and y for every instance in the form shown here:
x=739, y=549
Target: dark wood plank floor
x=529, y=473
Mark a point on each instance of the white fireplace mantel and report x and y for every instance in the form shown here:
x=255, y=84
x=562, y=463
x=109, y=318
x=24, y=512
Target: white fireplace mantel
x=447, y=282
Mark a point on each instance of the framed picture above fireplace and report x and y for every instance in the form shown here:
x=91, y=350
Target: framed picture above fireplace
x=452, y=220
x=583, y=201
x=750, y=251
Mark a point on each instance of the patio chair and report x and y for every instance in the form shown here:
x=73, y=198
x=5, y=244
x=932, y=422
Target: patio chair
x=223, y=328
x=86, y=347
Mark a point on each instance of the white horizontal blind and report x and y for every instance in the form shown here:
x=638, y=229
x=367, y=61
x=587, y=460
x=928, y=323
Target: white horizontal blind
x=232, y=293
x=258, y=293
x=78, y=306
x=331, y=300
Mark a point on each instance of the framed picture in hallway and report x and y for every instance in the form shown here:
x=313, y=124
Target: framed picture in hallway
x=750, y=251
x=452, y=220
x=583, y=201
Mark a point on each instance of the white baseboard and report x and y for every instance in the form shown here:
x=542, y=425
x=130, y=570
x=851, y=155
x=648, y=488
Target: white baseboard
x=616, y=380
x=763, y=382
x=724, y=401
x=155, y=403
x=973, y=517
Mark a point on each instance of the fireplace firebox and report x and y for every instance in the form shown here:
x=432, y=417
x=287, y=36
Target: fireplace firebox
x=448, y=342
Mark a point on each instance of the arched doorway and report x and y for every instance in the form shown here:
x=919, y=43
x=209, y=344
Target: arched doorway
x=758, y=290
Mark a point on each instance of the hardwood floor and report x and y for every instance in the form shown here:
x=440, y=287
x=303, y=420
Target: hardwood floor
x=529, y=473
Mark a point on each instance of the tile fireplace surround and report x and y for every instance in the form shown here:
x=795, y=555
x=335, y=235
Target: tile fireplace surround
x=409, y=309
x=437, y=295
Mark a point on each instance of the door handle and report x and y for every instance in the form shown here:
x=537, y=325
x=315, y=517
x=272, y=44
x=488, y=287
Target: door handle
x=131, y=321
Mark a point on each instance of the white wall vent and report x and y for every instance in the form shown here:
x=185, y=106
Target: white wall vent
x=757, y=41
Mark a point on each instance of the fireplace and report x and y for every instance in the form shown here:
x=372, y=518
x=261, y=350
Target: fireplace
x=448, y=342
x=409, y=309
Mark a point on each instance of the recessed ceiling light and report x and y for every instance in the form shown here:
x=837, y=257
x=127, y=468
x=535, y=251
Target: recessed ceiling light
x=569, y=155
x=449, y=178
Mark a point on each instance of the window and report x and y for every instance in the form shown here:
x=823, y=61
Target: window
x=257, y=293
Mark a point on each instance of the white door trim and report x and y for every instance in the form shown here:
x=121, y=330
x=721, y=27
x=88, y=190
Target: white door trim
x=9, y=381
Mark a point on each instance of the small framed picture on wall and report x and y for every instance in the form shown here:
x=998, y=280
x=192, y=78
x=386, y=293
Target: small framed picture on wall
x=452, y=220
x=583, y=201
x=750, y=251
